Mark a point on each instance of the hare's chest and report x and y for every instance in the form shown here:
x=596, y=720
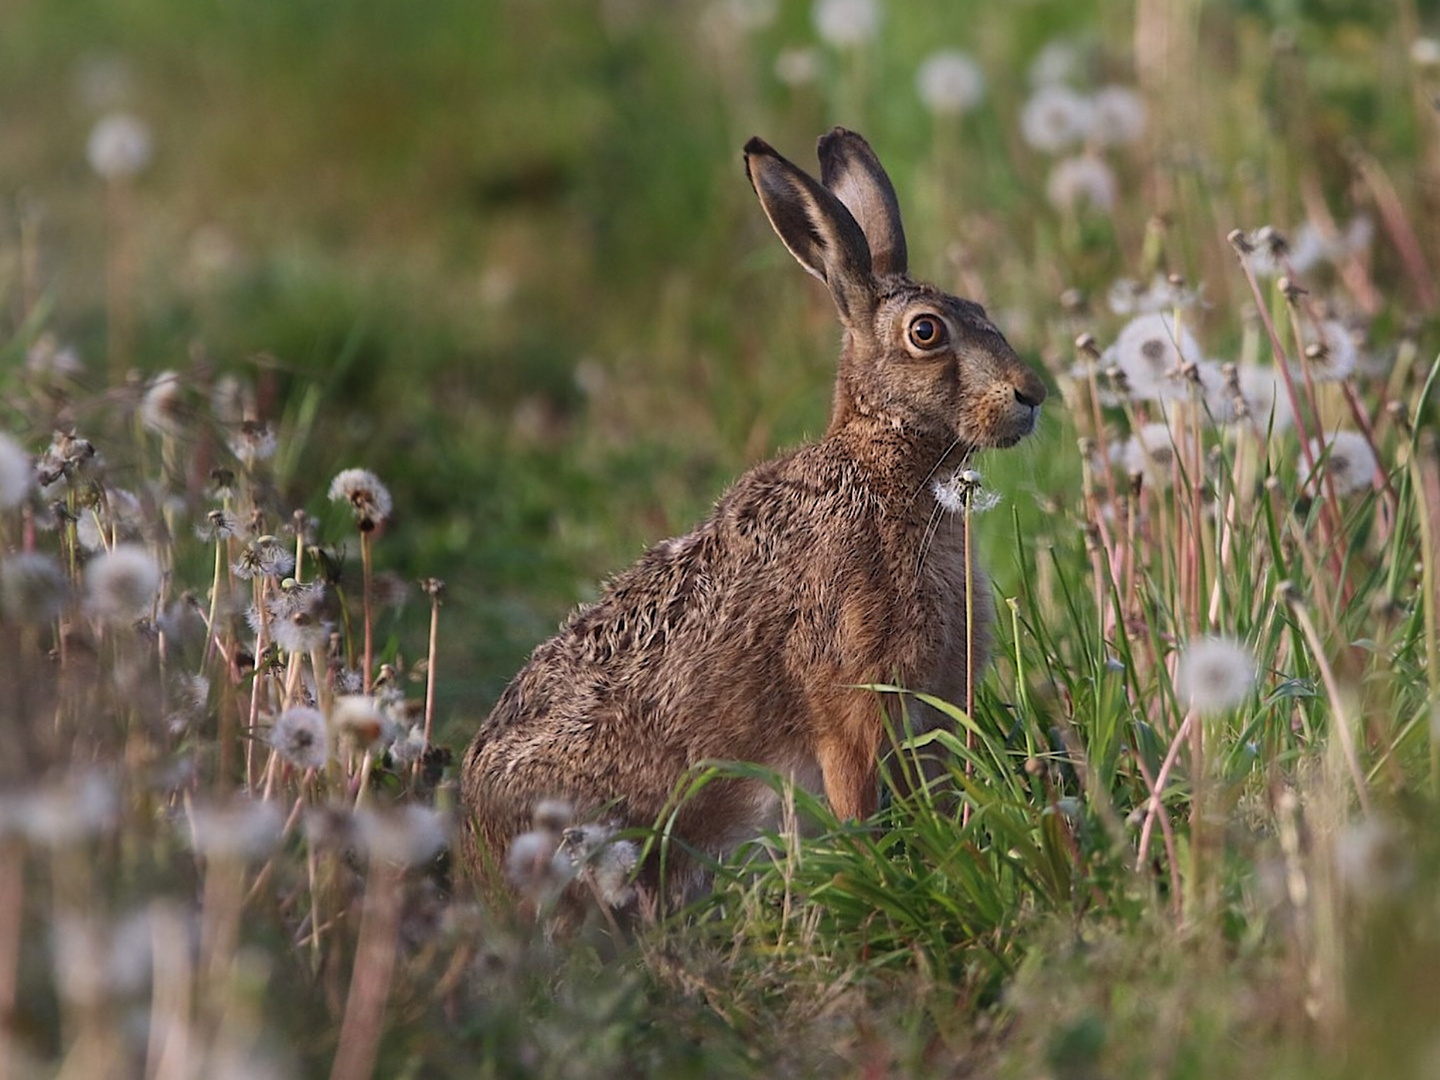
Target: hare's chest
x=954, y=608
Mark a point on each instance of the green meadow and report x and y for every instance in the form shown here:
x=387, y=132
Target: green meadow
x=502, y=257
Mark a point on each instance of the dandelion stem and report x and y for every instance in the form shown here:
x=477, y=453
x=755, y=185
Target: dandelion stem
x=365, y=570
x=363, y=1024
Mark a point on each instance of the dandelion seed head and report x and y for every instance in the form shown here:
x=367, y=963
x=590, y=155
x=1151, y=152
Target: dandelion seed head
x=552, y=815
x=410, y=748
x=536, y=867
x=1119, y=116
x=265, y=556
x=253, y=442
x=597, y=857
x=1079, y=181
x=162, y=409
x=1055, y=118
x=51, y=362
x=1346, y=460
x=119, y=146
x=367, y=496
x=33, y=588
x=217, y=525
x=1265, y=398
x=1372, y=860
x=16, y=473
x=846, y=24
x=1425, y=52
x=1128, y=297
x=120, y=585
x=747, y=16
x=1214, y=675
x=1330, y=352
x=359, y=719
x=1057, y=62
x=62, y=814
x=796, y=67
x=242, y=829
x=950, y=83
x=301, y=737
x=1151, y=356
x=408, y=835
x=297, y=617
x=1150, y=453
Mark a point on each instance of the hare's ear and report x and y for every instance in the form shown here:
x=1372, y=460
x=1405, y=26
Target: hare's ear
x=816, y=227
x=850, y=169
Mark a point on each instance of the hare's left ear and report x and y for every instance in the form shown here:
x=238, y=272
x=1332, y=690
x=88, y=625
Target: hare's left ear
x=822, y=235
x=850, y=169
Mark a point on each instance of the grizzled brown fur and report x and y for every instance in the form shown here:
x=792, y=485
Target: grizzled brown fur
x=823, y=570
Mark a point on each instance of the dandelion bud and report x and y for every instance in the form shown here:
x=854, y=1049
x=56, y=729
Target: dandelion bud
x=1086, y=344
x=1288, y=593
x=1239, y=241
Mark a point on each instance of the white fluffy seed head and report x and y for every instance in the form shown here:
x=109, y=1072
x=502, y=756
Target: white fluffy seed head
x=120, y=585
x=1119, y=116
x=950, y=83
x=119, y=146
x=1056, y=118
x=1331, y=352
x=16, y=473
x=1214, y=674
x=846, y=23
x=33, y=588
x=1346, y=460
x=407, y=835
x=243, y=829
x=1150, y=355
x=1081, y=181
x=302, y=737
x=367, y=496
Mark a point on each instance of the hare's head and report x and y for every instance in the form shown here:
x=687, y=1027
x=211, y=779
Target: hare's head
x=914, y=356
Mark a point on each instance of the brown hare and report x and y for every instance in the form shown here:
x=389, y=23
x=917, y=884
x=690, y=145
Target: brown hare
x=820, y=572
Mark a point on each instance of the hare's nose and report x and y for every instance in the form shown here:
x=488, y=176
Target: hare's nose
x=1032, y=398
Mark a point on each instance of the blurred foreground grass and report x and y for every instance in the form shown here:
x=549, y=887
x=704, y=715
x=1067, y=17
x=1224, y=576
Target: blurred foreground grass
x=504, y=256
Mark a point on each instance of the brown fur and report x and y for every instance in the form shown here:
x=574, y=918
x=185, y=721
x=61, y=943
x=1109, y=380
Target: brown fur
x=824, y=570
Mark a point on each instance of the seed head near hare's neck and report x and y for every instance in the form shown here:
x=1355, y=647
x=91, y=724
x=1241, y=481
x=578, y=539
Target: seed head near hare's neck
x=823, y=571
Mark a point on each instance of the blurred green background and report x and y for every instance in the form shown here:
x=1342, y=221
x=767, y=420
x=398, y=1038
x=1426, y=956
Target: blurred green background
x=508, y=251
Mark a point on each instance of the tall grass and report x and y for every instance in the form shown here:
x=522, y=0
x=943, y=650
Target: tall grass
x=1190, y=817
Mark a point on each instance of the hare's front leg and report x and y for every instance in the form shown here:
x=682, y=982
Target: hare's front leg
x=848, y=755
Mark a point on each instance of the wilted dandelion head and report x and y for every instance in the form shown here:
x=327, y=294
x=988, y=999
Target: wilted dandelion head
x=1330, y=351
x=797, y=66
x=950, y=83
x=217, y=525
x=846, y=23
x=1150, y=356
x=33, y=588
x=1214, y=674
x=162, y=409
x=16, y=473
x=408, y=835
x=120, y=585
x=301, y=737
x=1346, y=460
x=119, y=146
x=1083, y=180
x=1372, y=860
x=49, y=361
x=117, y=516
x=264, y=556
x=409, y=748
x=606, y=863
x=253, y=442
x=297, y=617
x=359, y=719
x=242, y=830
x=536, y=867
x=1056, y=118
x=367, y=496
x=1119, y=116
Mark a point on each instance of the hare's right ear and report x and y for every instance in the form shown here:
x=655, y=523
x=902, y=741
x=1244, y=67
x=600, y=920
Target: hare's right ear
x=816, y=227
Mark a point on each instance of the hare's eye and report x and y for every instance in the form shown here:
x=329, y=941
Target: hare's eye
x=927, y=332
